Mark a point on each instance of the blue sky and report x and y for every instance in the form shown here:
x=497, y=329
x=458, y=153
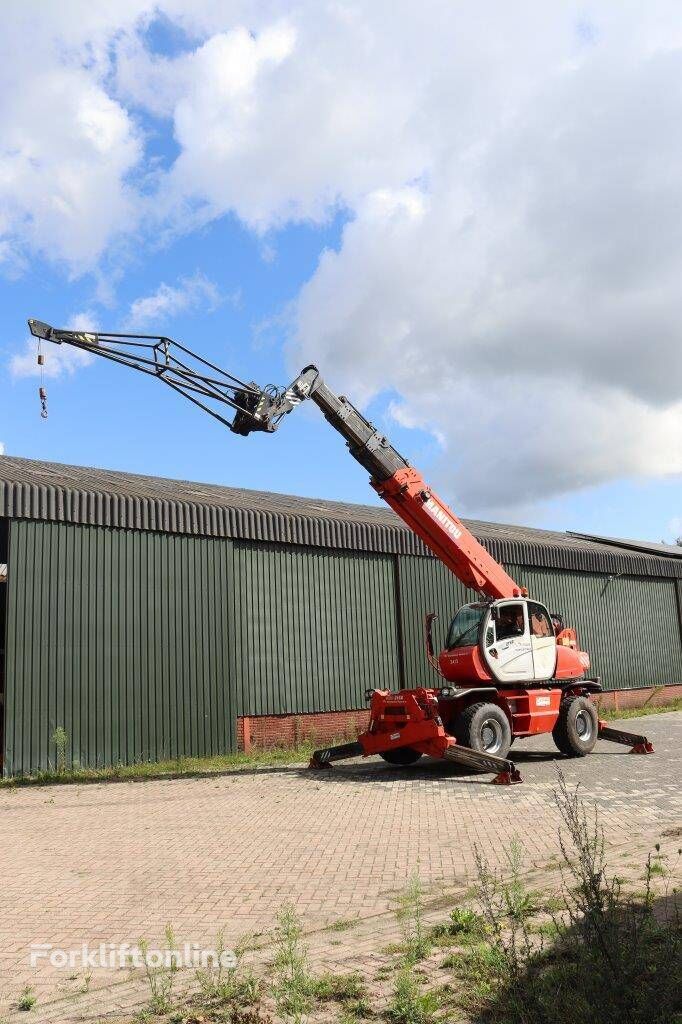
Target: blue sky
x=503, y=352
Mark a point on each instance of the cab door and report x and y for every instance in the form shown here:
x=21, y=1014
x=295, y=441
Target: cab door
x=506, y=642
x=543, y=642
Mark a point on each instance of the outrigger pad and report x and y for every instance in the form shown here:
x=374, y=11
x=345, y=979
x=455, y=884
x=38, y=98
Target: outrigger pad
x=323, y=758
x=511, y=778
x=639, y=744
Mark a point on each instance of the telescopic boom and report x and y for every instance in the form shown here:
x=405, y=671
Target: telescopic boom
x=261, y=409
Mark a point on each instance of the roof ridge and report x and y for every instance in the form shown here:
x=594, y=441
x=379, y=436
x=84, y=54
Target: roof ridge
x=57, y=492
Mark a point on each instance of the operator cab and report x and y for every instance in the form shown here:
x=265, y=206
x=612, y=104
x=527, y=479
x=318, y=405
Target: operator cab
x=513, y=638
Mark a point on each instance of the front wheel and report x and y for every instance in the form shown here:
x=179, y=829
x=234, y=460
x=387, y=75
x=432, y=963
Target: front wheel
x=575, y=732
x=484, y=727
x=401, y=755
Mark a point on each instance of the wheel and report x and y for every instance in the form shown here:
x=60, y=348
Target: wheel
x=484, y=727
x=575, y=732
x=401, y=755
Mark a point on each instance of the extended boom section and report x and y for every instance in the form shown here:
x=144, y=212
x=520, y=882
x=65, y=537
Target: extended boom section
x=405, y=490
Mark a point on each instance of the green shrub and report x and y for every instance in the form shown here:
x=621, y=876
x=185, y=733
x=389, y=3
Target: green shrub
x=409, y=1005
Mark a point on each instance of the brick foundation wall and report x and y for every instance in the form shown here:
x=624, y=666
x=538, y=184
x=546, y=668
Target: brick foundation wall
x=620, y=700
x=266, y=731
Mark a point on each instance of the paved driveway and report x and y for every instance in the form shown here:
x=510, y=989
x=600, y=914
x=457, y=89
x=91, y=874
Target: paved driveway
x=114, y=862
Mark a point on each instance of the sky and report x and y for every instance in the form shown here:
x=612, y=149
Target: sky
x=469, y=216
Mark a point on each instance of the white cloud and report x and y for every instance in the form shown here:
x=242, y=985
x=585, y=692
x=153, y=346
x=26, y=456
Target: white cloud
x=66, y=148
x=2, y=448
x=190, y=293
x=511, y=262
x=59, y=359
x=284, y=118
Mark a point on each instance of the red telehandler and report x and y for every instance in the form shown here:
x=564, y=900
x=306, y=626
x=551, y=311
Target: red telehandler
x=509, y=669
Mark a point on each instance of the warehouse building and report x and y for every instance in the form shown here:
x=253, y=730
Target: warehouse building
x=153, y=619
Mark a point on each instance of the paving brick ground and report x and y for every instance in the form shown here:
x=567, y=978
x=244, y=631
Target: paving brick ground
x=113, y=862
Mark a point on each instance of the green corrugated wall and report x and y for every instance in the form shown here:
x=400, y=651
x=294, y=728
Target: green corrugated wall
x=146, y=646
x=630, y=626
x=426, y=586
x=120, y=637
x=313, y=628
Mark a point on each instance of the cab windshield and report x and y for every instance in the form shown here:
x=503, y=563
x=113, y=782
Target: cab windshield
x=464, y=627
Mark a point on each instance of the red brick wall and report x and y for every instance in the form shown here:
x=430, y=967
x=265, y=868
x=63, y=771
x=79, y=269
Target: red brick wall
x=289, y=730
x=616, y=700
x=266, y=731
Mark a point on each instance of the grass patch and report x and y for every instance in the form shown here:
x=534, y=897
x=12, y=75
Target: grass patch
x=179, y=766
x=348, y=990
x=227, y=993
x=465, y=926
x=27, y=1000
x=409, y=1004
x=339, y=988
x=343, y=925
x=648, y=709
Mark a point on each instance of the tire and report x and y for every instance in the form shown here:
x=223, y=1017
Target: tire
x=484, y=727
x=401, y=755
x=575, y=732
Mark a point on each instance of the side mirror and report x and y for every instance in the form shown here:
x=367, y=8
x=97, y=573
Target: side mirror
x=429, y=620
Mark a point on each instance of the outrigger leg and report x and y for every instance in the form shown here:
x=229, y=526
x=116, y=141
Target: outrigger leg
x=637, y=744
x=505, y=771
x=323, y=758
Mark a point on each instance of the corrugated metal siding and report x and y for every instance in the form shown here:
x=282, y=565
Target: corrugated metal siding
x=426, y=586
x=313, y=628
x=630, y=626
x=120, y=637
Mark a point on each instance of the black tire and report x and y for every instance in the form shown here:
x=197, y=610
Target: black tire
x=575, y=732
x=401, y=755
x=484, y=727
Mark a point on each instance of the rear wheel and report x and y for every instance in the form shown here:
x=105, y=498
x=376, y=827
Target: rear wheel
x=575, y=732
x=484, y=727
x=401, y=755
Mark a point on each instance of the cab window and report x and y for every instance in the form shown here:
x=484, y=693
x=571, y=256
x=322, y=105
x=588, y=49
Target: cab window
x=464, y=628
x=540, y=622
x=510, y=621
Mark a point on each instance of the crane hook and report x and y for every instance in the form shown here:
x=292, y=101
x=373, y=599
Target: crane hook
x=42, y=393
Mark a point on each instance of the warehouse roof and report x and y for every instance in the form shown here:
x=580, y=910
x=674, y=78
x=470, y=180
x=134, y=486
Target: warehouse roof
x=74, y=494
x=649, y=547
